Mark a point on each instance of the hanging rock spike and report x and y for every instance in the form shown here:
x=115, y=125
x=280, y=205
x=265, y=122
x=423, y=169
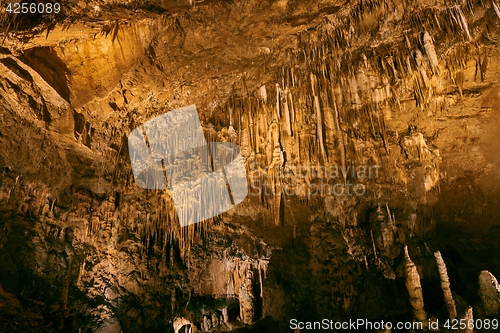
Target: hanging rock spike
x=319, y=118
x=430, y=51
x=495, y=8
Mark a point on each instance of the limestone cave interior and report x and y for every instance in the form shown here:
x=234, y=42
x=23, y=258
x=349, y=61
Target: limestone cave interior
x=367, y=130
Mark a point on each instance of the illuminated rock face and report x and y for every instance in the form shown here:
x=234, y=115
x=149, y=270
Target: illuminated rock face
x=363, y=127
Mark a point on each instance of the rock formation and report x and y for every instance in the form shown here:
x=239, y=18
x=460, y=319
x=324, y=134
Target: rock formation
x=469, y=319
x=489, y=291
x=445, y=285
x=247, y=299
x=363, y=126
x=414, y=288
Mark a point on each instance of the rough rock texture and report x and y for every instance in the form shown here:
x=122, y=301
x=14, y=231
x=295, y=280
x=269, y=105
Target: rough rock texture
x=365, y=127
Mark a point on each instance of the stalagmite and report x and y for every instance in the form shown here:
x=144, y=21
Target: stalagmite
x=469, y=320
x=489, y=291
x=173, y=300
x=445, y=285
x=179, y=323
x=207, y=324
x=275, y=160
x=414, y=288
x=215, y=320
x=225, y=315
x=247, y=299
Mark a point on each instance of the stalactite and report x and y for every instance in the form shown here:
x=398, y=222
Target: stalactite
x=460, y=20
x=319, y=118
x=430, y=51
x=340, y=137
x=414, y=288
x=419, y=90
x=64, y=294
x=495, y=7
x=407, y=41
x=465, y=26
x=408, y=64
x=374, y=247
x=459, y=79
x=278, y=99
x=288, y=118
x=172, y=255
x=298, y=123
x=381, y=126
x=482, y=63
x=262, y=267
x=445, y=285
x=420, y=65
x=254, y=132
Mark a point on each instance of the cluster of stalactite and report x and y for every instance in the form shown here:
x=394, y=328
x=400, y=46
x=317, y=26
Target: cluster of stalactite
x=335, y=95
x=319, y=109
x=322, y=108
x=154, y=223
